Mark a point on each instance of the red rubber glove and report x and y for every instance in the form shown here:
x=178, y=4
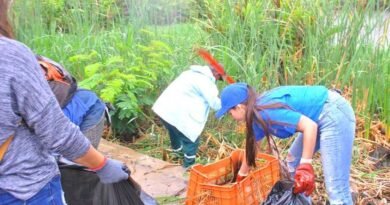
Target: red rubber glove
x=240, y=177
x=304, y=179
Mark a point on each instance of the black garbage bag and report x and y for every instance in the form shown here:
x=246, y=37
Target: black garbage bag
x=84, y=187
x=282, y=193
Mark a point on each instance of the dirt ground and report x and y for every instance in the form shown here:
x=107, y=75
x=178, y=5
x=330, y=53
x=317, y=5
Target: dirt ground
x=156, y=177
x=163, y=179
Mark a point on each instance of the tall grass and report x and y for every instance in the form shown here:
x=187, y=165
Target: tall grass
x=305, y=42
x=265, y=43
x=108, y=36
x=61, y=29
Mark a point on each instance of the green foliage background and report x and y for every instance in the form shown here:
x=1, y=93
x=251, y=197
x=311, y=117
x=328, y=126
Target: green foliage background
x=129, y=50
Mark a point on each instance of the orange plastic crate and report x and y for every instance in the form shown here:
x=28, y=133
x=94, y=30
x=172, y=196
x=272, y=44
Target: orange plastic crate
x=210, y=184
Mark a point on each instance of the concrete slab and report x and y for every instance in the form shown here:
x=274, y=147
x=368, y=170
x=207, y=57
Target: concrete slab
x=157, y=178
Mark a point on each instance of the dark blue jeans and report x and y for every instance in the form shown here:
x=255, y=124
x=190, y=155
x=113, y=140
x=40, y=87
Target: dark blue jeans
x=50, y=194
x=180, y=143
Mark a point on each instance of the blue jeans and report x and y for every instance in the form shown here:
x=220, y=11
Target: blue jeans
x=50, y=194
x=94, y=132
x=180, y=143
x=336, y=132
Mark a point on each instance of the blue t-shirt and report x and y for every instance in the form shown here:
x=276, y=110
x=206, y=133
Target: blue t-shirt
x=85, y=109
x=302, y=100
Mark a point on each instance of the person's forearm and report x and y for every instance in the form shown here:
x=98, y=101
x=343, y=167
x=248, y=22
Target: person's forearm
x=309, y=131
x=244, y=169
x=91, y=159
x=309, y=142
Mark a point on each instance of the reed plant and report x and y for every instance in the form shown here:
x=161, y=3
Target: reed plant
x=134, y=47
x=264, y=43
x=331, y=43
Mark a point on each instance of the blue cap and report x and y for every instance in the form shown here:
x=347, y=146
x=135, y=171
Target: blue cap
x=231, y=96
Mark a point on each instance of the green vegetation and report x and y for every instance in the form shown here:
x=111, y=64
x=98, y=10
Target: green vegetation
x=170, y=200
x=128, y=51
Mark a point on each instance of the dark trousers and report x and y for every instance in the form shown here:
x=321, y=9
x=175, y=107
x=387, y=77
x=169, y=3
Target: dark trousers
x=180, y=143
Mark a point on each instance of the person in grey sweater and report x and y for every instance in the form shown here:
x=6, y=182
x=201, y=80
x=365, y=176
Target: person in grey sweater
x=30, y=114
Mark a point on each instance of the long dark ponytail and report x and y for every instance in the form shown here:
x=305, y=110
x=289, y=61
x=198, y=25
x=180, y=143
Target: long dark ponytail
x=5, y=26
x=252, y=113
x=250, y=145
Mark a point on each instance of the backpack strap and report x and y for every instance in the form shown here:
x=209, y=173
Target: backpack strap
x=4, y=147
x=107, y=115
x=52, y=72
x=61, y=82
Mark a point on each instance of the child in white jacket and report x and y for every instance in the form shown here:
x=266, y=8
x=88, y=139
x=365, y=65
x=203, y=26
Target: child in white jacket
x=184, y=107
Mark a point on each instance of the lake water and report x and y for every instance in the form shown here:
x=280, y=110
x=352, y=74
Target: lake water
x=380, y=35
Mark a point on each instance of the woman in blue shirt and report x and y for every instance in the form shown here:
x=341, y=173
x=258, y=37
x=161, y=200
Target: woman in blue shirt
x=86, y=110
x=323, y=119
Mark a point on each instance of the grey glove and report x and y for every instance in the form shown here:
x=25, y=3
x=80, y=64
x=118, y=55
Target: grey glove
x=113, y=171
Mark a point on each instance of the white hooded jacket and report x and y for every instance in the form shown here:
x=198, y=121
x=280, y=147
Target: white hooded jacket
x=186, y=102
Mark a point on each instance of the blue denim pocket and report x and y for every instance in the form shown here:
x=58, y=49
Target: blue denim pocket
x=337, y=108
x=50, y=194
x=346, y=109
x=8, y=199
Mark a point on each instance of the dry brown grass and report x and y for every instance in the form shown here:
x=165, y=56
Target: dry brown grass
x=370, y=176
